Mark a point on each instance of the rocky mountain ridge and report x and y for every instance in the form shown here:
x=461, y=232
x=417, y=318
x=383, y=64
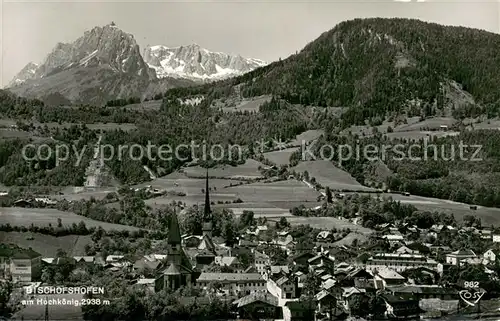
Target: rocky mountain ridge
x=106, y=63
x=195, y=62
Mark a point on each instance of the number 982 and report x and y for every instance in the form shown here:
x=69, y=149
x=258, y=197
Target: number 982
x=471, y=284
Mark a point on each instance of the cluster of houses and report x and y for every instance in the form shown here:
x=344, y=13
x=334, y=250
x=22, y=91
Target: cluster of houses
x=274, y=289
x=344, y=273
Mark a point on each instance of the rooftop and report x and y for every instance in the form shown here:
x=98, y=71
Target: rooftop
x=462, y=253
x=230, y=277
x=387, y=273
x=254, y=297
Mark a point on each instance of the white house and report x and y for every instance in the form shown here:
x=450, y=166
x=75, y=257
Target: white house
x=25, y=268
x=384, y=277
x=261, y=262
x=287, y=287
x=458, y=256
x=489, y=257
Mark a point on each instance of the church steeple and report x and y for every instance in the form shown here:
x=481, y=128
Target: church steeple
x=207, y=213
x=174, y=233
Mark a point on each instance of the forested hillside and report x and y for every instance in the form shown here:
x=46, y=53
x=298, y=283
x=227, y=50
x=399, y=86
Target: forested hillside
x=174, y=124
x=379, y=67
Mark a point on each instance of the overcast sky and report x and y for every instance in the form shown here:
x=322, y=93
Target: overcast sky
x=259, y=29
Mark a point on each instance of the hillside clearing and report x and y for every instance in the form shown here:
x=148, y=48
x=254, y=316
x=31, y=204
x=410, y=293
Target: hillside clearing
x=248, y=170
x=329, y=175
x=281, y=157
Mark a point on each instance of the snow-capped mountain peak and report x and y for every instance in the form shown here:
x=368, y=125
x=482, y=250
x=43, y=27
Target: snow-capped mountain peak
x=195, y=62
x=28, y=72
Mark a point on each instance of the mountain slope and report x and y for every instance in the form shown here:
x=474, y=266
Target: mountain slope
x=381, y=67
x=194, y=62
x=105, y=63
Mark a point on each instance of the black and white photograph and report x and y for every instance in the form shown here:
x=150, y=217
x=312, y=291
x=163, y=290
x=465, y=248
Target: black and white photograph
x=249, y=160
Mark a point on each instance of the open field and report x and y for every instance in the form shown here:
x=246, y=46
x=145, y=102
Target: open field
x=414, y=129
x=282, y=191
x=47, y=245
x=192, y=187
x=56, y=312
x=18, y=216
x=249, y=170
x=488, y=215
x=486, y=124
x=272, y=200
x=13, y=133
x=431, y=123
x=71, y=195
x=267, y=199
x=259, y=210
x=418, y=135
x=329, y=175
x=358, y=235
x=246, y=105
x=281, y=157
x=189, y=186
x=145, y=105
x=307, y=137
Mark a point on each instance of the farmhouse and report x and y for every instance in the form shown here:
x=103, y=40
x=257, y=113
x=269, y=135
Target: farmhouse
x=23, y=203
x=455, y=258
x=288, y=287
x=489, y=257
x=231, y=262
x=384, y=277
x=341, y=254
x=26, y=266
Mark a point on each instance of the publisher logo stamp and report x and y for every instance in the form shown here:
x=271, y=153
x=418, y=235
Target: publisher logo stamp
x=472, y=293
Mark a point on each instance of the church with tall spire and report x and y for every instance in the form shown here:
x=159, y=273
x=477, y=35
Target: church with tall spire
x=207, y=252
x=188, y=255
x=207, y=212
x=178, y=270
